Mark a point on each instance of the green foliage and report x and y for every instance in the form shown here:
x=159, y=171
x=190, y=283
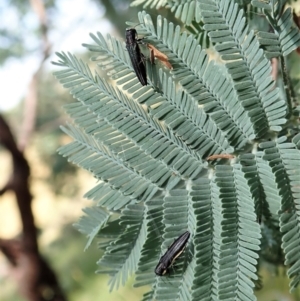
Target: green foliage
x=148, y=147
x=286, y=36
x=91, y=223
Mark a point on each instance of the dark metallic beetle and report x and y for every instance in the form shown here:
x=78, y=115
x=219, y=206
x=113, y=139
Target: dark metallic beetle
x=136, y=57
x=176, y=248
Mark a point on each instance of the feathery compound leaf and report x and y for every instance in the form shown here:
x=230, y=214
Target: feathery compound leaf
x=287, y=35
x=205, y=83
x=128, y=118
x=270, y=43
x=267, y=179
x=240, y=238
x=89, y=154
x=122, y=147
x=179, y=112
x=258, y=174
x=284, y=159
x=196, y=29
x=208, y=214
x=108, y=197
x=145, y=274
x=176, y=219
x=251, y=168
x=148, y=96
x=192, y=125
x=248, y=66
x=185, y=10
x=122, y=255
x=91, y=223
x=147, y=146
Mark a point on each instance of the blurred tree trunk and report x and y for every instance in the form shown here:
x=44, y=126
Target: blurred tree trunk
x=36, y=280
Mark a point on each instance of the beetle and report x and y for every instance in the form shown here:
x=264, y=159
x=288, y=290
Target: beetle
x=136, y=56
x=176, y=248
